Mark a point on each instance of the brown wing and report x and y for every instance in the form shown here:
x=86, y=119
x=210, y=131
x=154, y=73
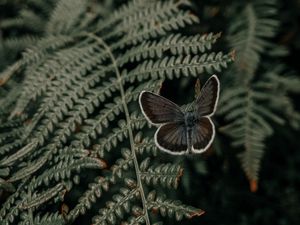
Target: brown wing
x=203, y=135
x=206, y=103
x=172, y=138
x=159, y=110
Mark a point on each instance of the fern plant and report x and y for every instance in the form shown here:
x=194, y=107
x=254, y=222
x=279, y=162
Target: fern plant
x=71, y=109
x=257, y=97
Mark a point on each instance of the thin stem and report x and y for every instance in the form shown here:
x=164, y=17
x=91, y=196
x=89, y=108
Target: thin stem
x=131, y=139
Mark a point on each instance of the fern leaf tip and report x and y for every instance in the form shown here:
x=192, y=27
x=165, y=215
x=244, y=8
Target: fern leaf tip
x=253, y=185
x=200, y=212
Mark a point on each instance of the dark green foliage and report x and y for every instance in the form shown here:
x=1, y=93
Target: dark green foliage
x=76, y=89
x=75, y=148
x=257, y=97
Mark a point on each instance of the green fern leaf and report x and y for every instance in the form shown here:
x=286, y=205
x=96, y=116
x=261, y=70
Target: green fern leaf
x=169, y=207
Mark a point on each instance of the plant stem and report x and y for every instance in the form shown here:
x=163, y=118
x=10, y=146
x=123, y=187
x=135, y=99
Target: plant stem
x=131, y=139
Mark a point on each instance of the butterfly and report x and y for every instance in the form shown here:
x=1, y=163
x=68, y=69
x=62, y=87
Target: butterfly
x=182, y=131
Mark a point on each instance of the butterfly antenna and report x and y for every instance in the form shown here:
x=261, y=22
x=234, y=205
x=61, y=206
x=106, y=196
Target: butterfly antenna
x=197, y=94
x=197, y=88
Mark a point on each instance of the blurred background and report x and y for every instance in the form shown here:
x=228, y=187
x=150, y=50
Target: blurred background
x=216, y=181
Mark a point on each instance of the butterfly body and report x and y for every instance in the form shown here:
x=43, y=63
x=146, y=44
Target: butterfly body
x=189, y=119
x=189, y=123
x=182, y=132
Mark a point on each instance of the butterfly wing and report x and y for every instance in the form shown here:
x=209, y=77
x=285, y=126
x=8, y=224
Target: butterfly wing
x=159, y=110
x=172, y=138
x=206, y=103
x=203, y=135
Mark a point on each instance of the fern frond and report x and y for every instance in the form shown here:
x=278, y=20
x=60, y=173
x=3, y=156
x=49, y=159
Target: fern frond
x=167, y=175
x=154, y=12
x=250, y=33
x=119, y=14
x=155, y=30
x=85, y=202
x=18, y=44
x=9, y=147
x=29, y=169
x=19, y=154
x=135, y=220
x=175, y=44
x=38, y=199
x=36, y=53
x=122, y=165
x=26, y=19
x=117, y=208
x=64, y=168
x=169, y=207
x=80, y=86
x=66, y=16
x=249, y=124
x=47, y=219
x=145, y=145
x=52, y=69
x=117, y=135
x=172, y=67
x=7, y=211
